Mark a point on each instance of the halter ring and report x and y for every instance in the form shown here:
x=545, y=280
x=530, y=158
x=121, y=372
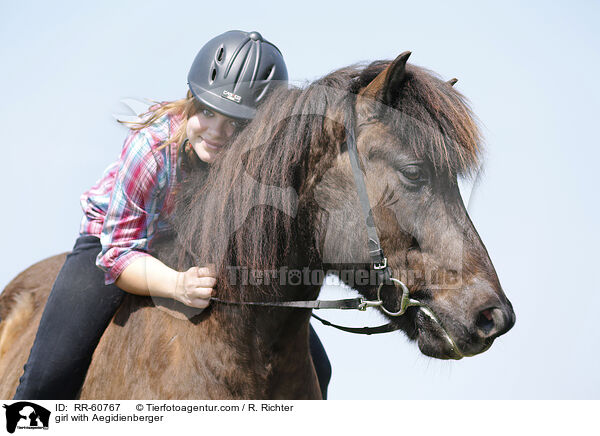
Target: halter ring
x=405, y=301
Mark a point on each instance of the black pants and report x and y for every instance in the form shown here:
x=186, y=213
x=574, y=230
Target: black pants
x=78, y=311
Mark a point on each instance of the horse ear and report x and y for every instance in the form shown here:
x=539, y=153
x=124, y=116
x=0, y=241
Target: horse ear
x=452, y=81
x=386, y=86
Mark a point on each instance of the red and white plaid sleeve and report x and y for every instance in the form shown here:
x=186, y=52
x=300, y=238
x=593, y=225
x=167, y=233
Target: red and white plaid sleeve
x=132, y=210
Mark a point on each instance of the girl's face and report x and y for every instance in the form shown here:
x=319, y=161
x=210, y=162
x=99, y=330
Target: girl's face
x=209, y=132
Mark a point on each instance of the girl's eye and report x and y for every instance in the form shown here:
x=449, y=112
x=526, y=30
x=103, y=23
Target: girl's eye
x=207, y=113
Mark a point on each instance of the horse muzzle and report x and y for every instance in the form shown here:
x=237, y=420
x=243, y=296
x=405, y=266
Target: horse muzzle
x=452, y=328
x=447, y=336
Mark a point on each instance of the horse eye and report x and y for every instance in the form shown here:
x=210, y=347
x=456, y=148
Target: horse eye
x=413, y=173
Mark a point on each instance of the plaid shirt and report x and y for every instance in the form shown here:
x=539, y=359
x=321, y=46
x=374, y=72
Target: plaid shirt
x=124, y=207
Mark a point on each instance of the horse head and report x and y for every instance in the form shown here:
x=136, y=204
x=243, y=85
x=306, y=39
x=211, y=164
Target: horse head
x=415, y=135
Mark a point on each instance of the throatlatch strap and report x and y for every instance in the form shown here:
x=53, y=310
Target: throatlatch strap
x=378, y=260
x=374, y=246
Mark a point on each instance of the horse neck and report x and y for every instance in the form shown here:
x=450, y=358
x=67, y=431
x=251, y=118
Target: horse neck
x=289, y=282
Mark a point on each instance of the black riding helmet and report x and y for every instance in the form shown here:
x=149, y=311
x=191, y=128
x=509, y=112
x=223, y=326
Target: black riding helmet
x=234, y=71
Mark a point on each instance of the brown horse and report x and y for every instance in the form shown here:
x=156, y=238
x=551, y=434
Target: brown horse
x=282, y=200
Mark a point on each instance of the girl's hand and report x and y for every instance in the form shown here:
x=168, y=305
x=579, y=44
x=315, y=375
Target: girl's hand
x=195, y=286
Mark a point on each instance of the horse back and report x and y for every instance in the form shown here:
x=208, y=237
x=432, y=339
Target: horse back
x=21, y=306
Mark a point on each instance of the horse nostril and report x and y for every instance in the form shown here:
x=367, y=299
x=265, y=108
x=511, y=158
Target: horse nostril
x=494, y=322
x=491, y=323
x=485, y=322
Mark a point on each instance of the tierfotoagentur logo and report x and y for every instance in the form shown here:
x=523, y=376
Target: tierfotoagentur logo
x=27, y=416
x=284, y=276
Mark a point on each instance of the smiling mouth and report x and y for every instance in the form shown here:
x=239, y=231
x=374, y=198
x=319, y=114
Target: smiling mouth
x=213, y=145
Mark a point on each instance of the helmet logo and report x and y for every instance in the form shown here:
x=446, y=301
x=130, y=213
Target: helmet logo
x=231, y=96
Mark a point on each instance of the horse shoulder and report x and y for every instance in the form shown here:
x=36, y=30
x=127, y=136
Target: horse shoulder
x=151, y=351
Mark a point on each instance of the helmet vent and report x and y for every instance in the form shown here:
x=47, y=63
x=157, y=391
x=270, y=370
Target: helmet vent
x=220, y=54
x=268, y=73
x=213, y=74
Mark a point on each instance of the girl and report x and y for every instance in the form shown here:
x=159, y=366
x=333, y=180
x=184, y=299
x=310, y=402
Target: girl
x=229, y=77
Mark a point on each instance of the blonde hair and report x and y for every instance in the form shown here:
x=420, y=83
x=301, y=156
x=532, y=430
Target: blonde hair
x=185, y=107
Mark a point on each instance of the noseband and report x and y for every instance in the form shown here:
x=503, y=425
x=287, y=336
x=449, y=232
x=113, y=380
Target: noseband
x=378, y=264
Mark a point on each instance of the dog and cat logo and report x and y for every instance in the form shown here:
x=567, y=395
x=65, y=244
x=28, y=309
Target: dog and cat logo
x=26, y=415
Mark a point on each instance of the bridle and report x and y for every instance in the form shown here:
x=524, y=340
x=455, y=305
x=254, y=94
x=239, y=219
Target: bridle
x=378, y=264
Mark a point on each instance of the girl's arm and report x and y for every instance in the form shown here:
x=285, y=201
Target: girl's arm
x=133, y=209
x=149, y=276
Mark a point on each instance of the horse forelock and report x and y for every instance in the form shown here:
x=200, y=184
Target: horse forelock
x=431, y=118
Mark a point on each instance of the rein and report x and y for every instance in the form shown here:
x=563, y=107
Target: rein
x=378, y=263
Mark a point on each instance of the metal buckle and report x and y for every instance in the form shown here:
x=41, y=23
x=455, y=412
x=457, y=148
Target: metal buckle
x=380, y=265
x=366, y=303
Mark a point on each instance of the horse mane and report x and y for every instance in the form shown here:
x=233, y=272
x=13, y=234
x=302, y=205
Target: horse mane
x=244, y=210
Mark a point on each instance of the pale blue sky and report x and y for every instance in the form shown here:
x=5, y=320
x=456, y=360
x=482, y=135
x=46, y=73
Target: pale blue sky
x=530, y=73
